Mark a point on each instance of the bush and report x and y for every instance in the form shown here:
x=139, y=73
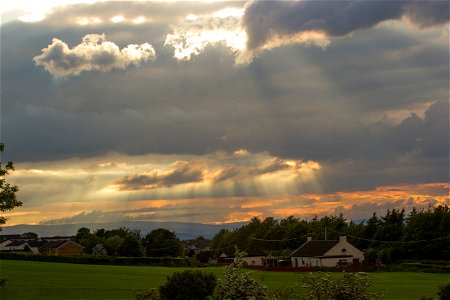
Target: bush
x=444, y=292
x=236, y=285
x=352, y=286
x=286, y=292
x=151, y=294
x=188, y=285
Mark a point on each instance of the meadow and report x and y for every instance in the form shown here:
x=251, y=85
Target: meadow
x=44, y=280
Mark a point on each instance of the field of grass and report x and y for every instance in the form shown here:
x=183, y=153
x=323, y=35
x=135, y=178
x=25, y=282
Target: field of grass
x=43, y=280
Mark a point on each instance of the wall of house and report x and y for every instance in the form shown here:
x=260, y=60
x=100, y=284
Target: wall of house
x=254, y=261
x=3, y=245
x=306, y=262
x=69, y=248
x=349, y=250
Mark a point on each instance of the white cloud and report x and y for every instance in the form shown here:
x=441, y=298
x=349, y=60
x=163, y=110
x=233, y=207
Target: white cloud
x=222, y=27
x=94, y=53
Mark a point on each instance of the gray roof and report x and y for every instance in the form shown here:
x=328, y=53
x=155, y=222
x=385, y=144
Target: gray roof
x=314, y=248
x=16, y=243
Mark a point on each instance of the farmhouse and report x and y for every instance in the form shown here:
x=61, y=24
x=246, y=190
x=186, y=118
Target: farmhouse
x=320, y=253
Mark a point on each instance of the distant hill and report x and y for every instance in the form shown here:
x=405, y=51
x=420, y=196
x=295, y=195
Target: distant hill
x=184, y=231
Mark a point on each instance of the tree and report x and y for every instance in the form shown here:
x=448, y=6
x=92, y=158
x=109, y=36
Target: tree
x=82, y=233
x=162, y=243
x=236, y=285
x=112, y=244
x=188, y=285
x=8, y=198
x=131, y=246
x=99, y=250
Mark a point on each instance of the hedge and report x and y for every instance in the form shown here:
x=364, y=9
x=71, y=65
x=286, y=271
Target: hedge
x=102, y=260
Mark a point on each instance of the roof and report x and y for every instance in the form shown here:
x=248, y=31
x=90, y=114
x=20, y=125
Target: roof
x=250, y=253
x=36, y=243
x=314, y=248
x=53, y=245
x=5, y=237
x=16, y=243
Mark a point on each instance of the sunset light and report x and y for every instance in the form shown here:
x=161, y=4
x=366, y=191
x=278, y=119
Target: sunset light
x=216, y=112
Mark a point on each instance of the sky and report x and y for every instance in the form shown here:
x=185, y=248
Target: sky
x=217, y=112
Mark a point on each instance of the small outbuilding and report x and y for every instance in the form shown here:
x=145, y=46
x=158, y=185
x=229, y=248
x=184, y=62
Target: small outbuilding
x=252, y=258
x=326, y=253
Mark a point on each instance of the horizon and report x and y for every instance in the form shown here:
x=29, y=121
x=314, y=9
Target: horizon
x=217, y=112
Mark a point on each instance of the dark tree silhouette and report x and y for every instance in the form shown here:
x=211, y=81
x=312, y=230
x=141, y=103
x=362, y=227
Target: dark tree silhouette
x=8, y=198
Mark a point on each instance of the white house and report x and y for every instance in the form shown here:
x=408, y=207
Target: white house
x=12, y=246
x=320, y=253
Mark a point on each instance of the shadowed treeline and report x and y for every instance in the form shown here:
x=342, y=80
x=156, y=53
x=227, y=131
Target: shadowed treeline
x=421, y=234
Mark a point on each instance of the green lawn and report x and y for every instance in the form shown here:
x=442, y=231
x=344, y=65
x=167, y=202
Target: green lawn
x=42, y=280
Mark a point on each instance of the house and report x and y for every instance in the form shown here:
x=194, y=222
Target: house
x=56, y=238
x=39, y=246
x=326, y=253
x=21, y=245
x=36, y=245
x=14, y=246
x=6, y=237
x=253, y=257
x=196, y=246
x=62, y=248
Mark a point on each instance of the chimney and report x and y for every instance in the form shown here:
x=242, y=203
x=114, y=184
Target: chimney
x=342, y=238
x=308, y=239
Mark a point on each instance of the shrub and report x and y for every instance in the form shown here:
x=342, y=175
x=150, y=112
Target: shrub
x=188, y=285
x=236, y=285
x=151, y=294
x=444, y=292
x=352, y=286
x=286, y=292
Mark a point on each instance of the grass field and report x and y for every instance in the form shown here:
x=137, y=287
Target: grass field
x=59, y=281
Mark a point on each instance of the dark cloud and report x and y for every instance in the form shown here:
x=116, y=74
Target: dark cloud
x=238, y=172
x=95, y=216
x=364, y=105
x=183, y=173
x=265, y=20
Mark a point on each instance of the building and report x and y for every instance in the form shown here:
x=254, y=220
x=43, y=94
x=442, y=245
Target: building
x=326, y=253
x=62, y=248
x=252, y=258
x=193, y=247
x=14, y=246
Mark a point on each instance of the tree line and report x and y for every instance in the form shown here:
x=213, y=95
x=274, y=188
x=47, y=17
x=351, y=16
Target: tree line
x=420, y=234
x=126, y=242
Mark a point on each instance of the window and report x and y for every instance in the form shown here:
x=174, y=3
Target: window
x=344, y=250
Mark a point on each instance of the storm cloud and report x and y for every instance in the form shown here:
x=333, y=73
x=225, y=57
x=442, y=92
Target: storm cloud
x=369, y=106
x=94, y=53
x=266, y=20
x=182, y=173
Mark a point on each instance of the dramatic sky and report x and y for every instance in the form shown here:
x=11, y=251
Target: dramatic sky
x=216, y=112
